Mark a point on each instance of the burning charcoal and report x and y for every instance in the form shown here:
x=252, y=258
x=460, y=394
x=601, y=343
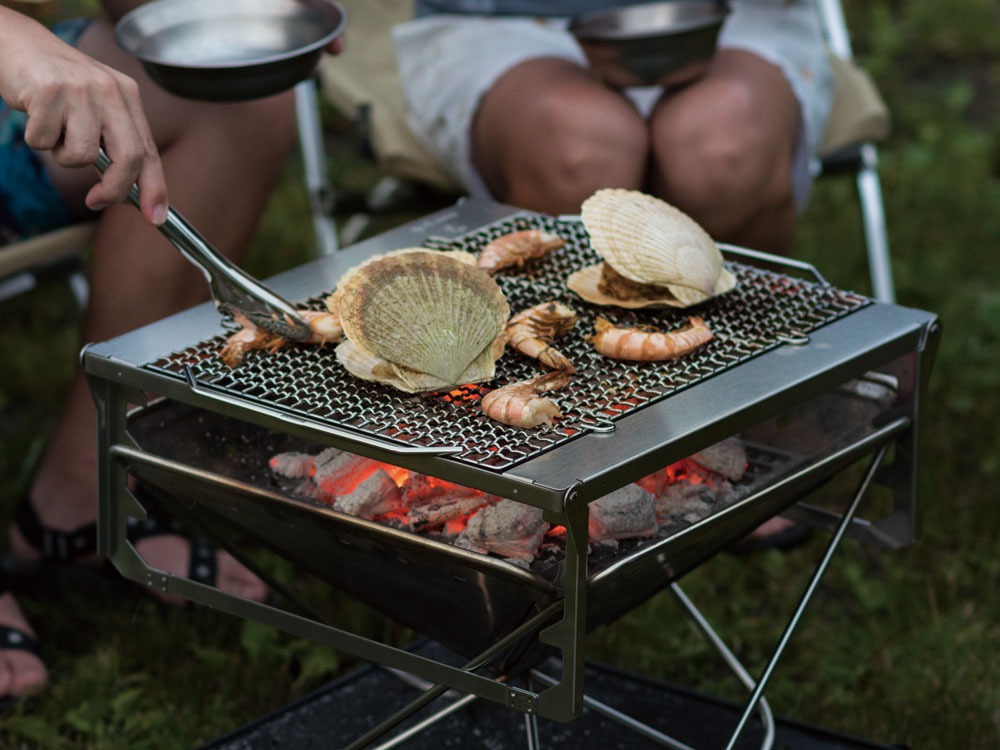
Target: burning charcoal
x=430, y=516
x=305, y=488
x=509, y=529
x=339, y=472
x=375, y=496
x=293, y=464
x=626, y=513
x=421, y=489
x=727, y=457
x=682, y=499
x=293, y=474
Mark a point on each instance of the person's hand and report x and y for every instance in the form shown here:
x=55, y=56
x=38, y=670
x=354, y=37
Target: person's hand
x=335, y=47
x=75, y=105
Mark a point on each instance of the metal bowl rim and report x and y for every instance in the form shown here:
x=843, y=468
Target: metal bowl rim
x=302, y=51
x=577, y=24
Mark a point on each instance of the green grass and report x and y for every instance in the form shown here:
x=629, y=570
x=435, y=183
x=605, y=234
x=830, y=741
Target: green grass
x=897, y=647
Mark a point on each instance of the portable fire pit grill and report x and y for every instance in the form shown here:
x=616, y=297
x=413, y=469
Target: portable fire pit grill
x=813, y=379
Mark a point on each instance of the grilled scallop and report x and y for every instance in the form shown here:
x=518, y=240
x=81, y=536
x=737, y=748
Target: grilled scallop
x=423, y=311
x=658, y=254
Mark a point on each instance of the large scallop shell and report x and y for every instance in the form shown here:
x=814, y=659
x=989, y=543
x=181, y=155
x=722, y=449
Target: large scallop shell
x=367, y=366
x=422, y=310
x=332, y=300
x=650, y=241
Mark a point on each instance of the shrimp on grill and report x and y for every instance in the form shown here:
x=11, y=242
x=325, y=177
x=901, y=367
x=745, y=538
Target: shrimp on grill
x=516, y=248
x=325, y=326
x=531, y=332
x=522, y=405
x=643, y=345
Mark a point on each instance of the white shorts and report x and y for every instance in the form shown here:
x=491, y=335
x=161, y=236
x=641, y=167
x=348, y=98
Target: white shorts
x=448, y=62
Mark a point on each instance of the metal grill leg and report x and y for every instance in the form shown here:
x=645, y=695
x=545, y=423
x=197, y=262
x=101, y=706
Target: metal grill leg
x=734, y=664
x=814, y=581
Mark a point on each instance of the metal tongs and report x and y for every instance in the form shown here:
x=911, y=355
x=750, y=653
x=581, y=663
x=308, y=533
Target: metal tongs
x=233, y=289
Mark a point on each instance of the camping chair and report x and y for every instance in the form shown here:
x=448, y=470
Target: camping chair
x=363, y=84
x=24, y=265
x=859, y=119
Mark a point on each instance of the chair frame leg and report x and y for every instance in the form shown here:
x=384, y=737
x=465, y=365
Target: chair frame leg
x=876, y=232
x=311, y=144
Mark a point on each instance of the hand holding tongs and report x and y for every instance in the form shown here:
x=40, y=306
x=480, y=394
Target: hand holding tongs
x=232, y=288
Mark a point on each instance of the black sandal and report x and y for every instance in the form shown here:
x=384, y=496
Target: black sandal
x=62, y=549
x=14, y=639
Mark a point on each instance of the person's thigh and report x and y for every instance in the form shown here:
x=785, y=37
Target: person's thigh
x=789, y=35
x=742, y=116
x=546, y=135
x=724, y=151
x=448, y=63
x=507, y=107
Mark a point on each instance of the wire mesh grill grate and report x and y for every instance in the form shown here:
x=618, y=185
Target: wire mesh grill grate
x=765, y=310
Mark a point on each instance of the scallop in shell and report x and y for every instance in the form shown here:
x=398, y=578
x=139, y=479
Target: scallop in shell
x=332, y=300
x=422, y=310
x=367, y=366
x=648, y=241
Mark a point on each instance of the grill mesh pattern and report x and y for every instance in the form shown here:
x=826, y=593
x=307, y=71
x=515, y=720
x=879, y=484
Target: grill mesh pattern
x=763, y=311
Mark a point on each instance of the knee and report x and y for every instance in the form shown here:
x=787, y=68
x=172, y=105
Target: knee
x=582, y=146
x=594, y=144
x=711, y=166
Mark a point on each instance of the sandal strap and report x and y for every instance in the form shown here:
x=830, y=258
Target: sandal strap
x=15, y=639
x=53, y=545
x=203, y=565
x=10, y=637
x=202, y=562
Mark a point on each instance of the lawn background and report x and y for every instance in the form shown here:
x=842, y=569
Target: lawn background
x=898, y=646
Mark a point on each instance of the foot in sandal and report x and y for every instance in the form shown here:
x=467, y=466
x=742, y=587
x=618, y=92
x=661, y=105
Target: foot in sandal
x=22, y=672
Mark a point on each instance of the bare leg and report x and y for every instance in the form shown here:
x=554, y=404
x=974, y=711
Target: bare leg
x=221, y=162
x=21, y=673
x=547, y=135
x=723, y=150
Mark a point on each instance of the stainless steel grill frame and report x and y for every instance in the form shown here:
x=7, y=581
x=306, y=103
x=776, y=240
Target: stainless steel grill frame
x=860, y=340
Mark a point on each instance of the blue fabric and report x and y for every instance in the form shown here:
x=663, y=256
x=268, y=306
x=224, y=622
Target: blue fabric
x=29, y=204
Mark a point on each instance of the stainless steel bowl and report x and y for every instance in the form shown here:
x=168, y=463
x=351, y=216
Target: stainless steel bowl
x=230, y=50
x=664, y=43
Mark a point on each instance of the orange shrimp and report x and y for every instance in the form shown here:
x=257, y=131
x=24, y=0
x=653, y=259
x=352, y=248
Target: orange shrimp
x=247, y=338
x=641, y=345
x=522, y=405
x=516, y=248
x=531, y=332
x=325, y=327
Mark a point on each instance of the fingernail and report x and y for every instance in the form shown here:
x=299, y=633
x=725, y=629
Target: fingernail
x=159, y=214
